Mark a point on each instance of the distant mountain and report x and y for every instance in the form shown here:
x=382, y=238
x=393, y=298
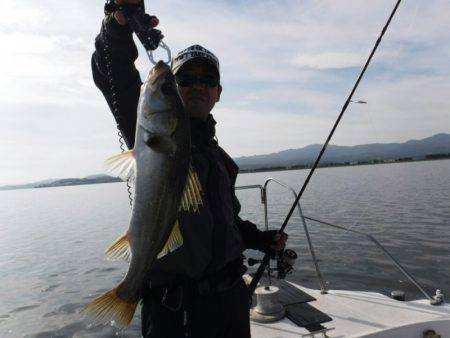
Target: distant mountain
x=95, y=176
x=28, y=185
x=92, y=179
x=414, y=149
x=437, y=146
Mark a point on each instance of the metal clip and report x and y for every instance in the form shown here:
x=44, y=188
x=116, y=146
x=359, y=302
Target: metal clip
x=168, y=297
x=166, y=48
x=438, y=298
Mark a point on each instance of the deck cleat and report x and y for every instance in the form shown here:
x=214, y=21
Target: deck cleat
x=268, y=308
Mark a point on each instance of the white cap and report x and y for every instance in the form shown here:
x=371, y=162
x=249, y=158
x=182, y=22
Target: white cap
x=194, y=52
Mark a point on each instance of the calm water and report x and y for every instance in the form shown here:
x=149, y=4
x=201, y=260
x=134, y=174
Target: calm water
x=51, y=240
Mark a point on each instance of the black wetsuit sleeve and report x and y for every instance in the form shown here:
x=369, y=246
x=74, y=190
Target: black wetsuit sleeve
x=253, y=237
x=115, y=51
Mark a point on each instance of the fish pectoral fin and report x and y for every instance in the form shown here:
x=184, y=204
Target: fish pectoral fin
x=109, y=307
x=192, y=194
x=120, y=248
x=122, y=165
x=161, y=143
x=174, y=242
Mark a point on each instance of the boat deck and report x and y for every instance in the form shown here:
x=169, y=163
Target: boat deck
x=365, y=314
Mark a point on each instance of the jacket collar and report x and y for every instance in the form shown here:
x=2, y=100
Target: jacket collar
x=203, y=131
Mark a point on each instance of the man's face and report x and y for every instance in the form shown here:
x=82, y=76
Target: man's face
x=199, y=98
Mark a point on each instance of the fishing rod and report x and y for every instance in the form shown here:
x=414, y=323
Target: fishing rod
x=264, y=263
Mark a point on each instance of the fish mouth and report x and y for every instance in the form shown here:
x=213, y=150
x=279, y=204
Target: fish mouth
x=159, y=73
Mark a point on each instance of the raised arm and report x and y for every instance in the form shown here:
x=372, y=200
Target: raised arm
x=115, y=74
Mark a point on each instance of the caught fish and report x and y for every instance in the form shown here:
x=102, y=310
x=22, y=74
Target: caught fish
x=164, y=181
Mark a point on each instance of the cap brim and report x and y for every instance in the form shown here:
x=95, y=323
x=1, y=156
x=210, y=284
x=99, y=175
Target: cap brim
x=199, y=59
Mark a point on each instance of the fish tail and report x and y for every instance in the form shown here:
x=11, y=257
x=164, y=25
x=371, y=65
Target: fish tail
x=110, y=306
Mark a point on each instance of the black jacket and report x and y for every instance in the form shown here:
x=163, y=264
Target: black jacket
x=216, y=235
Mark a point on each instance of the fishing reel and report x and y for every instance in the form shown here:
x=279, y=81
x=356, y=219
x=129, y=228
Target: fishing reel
x=140, y=24
x=285, y=262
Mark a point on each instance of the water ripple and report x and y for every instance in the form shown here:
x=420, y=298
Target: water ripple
x=50, y=288
x=24, y=308
x=405, y=206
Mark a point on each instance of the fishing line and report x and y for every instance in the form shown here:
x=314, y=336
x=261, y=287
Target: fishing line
x=266, y=258
x=366, y=207
x=413, y=20
x=375, y=131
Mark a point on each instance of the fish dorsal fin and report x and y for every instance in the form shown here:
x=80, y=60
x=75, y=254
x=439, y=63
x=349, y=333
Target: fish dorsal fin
x=120, y=248
x=122, y=165
x=174, y=242
x=192, y=194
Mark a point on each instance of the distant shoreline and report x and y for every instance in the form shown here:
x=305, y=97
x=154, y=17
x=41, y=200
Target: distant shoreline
x=66, y=182
x=346, y=164
x=436, y=147
x=108, y=179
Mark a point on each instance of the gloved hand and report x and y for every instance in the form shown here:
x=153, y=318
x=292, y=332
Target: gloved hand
x=120, y=18
x=273, y=241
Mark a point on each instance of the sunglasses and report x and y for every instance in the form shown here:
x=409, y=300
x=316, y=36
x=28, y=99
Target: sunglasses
x=188, y=80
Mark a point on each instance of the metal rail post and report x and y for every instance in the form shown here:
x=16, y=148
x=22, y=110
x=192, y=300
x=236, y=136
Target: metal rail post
x=323, y=289
x=433, y=300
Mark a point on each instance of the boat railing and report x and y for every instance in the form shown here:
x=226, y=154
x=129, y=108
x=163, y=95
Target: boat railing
x=434, y=300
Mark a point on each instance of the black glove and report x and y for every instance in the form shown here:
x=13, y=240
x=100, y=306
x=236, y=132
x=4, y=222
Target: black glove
x=267, y=239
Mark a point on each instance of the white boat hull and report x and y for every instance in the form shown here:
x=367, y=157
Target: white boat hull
x=365, y=314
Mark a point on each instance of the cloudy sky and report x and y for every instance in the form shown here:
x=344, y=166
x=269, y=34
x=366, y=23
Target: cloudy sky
x=287, y=67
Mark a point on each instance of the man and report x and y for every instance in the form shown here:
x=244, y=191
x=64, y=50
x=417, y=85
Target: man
x=197, y=290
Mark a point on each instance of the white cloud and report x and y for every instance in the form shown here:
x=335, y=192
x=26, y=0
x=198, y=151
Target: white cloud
x=284, y=69
x=328, y=60
x=272, y=131
x=20, y=15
